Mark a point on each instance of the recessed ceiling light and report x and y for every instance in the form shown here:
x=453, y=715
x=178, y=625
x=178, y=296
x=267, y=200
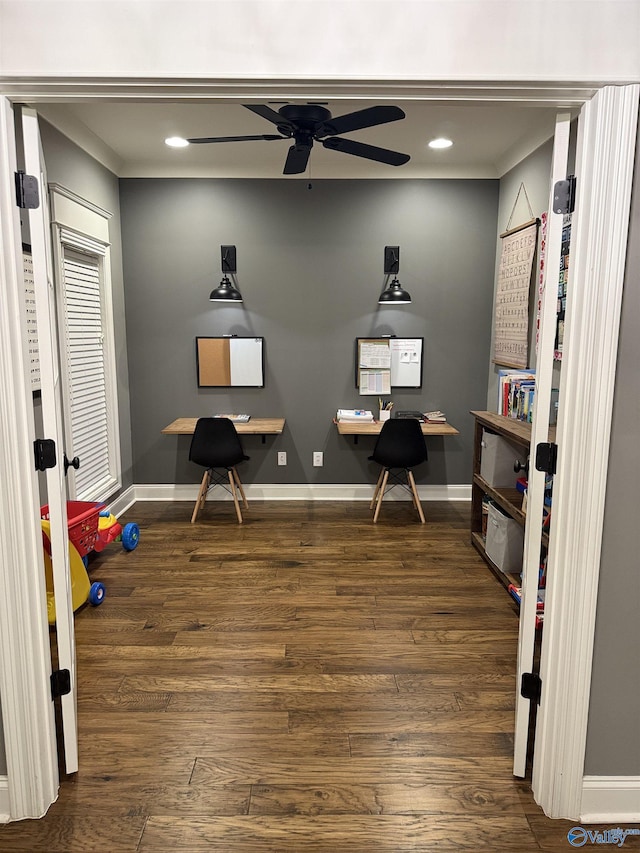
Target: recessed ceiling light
x=441, y=142
x=176, y=142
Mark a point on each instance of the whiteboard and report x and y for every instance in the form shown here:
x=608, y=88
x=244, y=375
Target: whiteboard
x=406, y=362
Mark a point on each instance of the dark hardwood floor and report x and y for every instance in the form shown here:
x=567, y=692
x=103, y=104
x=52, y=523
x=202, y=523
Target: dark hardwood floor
x=306, y=681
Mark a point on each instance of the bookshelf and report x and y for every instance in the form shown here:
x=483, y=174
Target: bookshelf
x=509, y=500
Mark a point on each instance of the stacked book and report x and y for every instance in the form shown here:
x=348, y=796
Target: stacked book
x=516, y=394
x=435, y=417
x=237, y=419
x=354, y=416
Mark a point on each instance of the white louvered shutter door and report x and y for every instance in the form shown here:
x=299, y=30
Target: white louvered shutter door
x=86, y=372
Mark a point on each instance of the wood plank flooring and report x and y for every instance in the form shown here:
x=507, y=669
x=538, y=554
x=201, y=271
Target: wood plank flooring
x=305, y=681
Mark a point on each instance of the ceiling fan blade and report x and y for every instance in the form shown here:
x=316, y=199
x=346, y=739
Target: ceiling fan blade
x=356, y=121
x=203, y=139
x=297, y=159
x=370, y=152
x=266, y=112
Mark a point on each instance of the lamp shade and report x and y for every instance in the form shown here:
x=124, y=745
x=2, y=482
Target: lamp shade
x=394, y=294
x=225, y=292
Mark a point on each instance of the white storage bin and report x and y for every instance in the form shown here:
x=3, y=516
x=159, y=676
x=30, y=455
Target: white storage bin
x=505, y=541
x=497, y=460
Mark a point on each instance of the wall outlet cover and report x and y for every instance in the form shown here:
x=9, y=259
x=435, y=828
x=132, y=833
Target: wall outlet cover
x=317, y=459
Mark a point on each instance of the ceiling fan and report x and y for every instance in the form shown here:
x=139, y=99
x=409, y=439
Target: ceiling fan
x=309, y=123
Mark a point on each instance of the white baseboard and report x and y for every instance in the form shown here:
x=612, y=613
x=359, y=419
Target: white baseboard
x=5, y=811
x=610, y=799
x=122, y=502
x=293, y=492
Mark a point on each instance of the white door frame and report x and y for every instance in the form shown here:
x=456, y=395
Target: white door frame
x=539, y=435
x=599, y=229
x=599, y=232
x=51, y=403
x=25, y=656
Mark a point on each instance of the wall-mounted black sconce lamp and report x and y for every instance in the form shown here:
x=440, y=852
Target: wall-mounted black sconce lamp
x=227, y=290
x=393, y=293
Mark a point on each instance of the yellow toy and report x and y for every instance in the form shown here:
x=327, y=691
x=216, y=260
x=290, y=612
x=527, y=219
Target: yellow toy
x=82, y=589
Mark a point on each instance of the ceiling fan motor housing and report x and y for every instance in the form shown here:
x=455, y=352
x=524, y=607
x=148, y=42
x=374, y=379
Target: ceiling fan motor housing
x=305, y=116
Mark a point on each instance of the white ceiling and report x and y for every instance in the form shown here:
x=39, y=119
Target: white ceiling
x=128, y=137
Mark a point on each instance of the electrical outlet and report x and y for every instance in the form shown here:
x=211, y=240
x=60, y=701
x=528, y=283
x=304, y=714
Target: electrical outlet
x=317, y=459
x=282, y=457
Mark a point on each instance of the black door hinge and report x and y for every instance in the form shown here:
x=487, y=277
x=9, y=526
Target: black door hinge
x=564, y=195
x=27, y=195
x=60, y=683
x=547, y=458
x=45, y=453
x=531, y=687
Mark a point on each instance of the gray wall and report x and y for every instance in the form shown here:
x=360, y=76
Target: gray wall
x=69, y=166
x=613, y=735
x=310, y=268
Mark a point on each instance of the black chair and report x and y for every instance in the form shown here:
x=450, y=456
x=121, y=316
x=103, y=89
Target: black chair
x=216, y=445
x=400, y=445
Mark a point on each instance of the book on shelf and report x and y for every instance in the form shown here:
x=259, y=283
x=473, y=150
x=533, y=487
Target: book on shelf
x=354, y=416
x=435, y=417
x=237, y=419
x=516, y=393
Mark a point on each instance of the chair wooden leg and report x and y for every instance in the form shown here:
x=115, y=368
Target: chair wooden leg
x=235, y=495
x=377, y=489
x=202, y=496
x=416, y=499
x=239, y=485
x=381, y=494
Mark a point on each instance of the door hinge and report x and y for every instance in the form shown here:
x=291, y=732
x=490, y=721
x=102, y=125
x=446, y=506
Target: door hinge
x=45, y=453
x=531, y=687
x=27, y=195
x=547, y=458
x=564, y=195
x=60, y=683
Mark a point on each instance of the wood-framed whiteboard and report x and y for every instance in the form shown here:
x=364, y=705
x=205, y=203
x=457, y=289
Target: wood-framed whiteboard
x=230, y=362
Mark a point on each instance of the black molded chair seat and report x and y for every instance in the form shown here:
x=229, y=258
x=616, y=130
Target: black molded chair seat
x=400, y=445
x=216, y=445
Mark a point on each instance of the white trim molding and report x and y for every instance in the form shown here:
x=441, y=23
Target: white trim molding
x=25, y=657
x=610, y=799
x=604, y=171
x=122, y=502
x=81, y=226
x=4, y=800
x=285, y=492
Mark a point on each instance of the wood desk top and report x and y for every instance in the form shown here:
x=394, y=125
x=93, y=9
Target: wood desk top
x=375, y=427
x=255, y=426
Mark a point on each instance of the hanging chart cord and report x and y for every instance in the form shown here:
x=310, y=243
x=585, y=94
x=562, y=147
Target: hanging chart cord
x=522, y=188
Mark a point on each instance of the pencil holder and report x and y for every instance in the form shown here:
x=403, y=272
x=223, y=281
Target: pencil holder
x=384, y=415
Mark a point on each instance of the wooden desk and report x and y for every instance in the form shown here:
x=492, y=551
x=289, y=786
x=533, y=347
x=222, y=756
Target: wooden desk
x=255, y=426
x=375, y=427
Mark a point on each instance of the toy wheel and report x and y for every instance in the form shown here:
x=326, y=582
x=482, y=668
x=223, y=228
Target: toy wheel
x=130, y=536
x=96, y=594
